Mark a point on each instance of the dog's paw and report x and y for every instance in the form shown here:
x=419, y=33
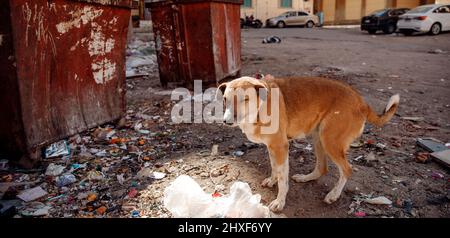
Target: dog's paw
x=300, y=178
x=331, y=197
x=276, y=205
x=268, y=182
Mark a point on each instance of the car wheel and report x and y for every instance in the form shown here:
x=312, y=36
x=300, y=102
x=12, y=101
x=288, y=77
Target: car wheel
x=281, y=24
x=389, y=29
x=259, y=24
x=372, y=32
x=435, y=29
x=309, y=24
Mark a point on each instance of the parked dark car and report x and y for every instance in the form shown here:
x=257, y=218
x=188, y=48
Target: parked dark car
x=382, y=20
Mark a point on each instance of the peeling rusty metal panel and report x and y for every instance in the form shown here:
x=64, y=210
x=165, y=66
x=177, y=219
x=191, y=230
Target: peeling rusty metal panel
x=11, y=128
x=227, y=48
x=70, y=67
x=165, y=42
x=119, y=3
x=198, y=39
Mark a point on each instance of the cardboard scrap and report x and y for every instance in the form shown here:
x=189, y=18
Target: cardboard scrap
x=431, y=145
x=442, y=157
x=32, y=194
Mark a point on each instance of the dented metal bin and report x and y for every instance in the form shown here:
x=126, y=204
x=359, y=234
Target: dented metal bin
x=62, y=64
x=197, y=40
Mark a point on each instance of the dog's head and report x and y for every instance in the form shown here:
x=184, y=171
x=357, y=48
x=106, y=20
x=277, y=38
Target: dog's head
x=242, y=99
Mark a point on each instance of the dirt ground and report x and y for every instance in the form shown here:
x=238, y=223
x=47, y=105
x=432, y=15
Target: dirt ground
x=377, y=66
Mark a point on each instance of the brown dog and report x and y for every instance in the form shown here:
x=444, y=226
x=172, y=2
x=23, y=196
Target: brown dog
x=330, y=111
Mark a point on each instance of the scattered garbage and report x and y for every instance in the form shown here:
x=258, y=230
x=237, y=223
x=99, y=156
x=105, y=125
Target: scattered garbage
x=357, y=144
x=431, y=144
x=132, y=193
x=76, y=166
x=185, y=198
x=65, y=179
x=103, y=134
x=437, y=175
x=54, y=169
x=91, y=197
x=442, y=157
x=120, y=179
x=360, y=214
x=36, y=209
x=219, y=171
x=8, y=208
x=422, y=157
x=215, y=150
x=381, y=146
x=32, y=194
x=437, y=150
x=95, y=175
x=371, y=157
x=158, y=175
x=414, y=119
x=3, y=164
x=271, y=39
x=238, y=153
x=437, y=51
x=135, y=214
x=378, y=201
x=144, y=173
x=101, y=210
x=57, y=149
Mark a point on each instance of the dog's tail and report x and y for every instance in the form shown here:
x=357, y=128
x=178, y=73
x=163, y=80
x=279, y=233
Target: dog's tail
x=391, y=108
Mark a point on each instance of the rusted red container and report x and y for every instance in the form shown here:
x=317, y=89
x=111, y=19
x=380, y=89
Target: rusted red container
x=62, y=64
x=197, y=39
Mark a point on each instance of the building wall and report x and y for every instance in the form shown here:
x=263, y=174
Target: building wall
x=408, y=3
x=329, y=10
x=353, y=9
x=264, y=9
x=373, y=5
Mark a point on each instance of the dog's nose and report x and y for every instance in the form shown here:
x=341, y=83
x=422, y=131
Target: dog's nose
x=227, y=122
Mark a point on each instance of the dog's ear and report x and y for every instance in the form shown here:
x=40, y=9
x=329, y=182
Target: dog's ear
x=268, y=77
x=221, y=89
x=261, y=91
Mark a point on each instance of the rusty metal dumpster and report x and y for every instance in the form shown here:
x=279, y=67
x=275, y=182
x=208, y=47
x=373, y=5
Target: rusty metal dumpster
x=197, y=39
x=62, y=64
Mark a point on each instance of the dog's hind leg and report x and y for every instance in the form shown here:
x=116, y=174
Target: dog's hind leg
x=321, y=167
x=336, y=139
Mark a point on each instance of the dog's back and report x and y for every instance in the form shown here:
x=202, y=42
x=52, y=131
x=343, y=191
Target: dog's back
x=309, y=99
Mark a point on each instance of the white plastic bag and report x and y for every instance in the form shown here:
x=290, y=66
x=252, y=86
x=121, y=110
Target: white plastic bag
x=185, y=198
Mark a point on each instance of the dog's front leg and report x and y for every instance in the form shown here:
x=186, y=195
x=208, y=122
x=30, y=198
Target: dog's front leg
x=272, y=180
x=279, y=157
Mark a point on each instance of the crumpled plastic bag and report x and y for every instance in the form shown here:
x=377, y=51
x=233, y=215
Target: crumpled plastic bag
x=184, y=198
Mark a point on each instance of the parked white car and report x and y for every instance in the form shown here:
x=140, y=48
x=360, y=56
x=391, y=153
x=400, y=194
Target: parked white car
x=433, y=19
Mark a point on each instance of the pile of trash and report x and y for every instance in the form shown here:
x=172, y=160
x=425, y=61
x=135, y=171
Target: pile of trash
x=96, y=173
